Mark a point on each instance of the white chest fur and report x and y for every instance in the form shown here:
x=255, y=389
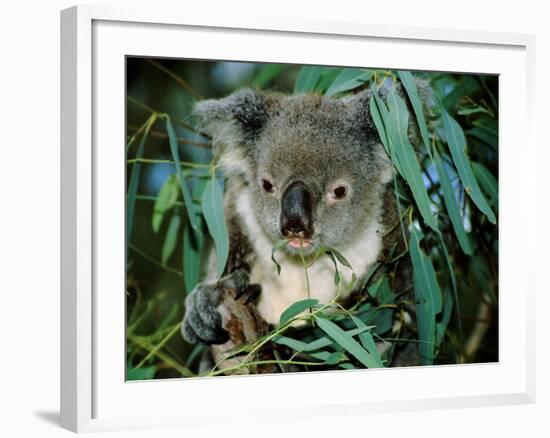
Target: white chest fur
x=280, y=291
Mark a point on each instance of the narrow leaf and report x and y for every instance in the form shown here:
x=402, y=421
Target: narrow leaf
x=171, y=238
x=409, y=83
x=327, y=77
x=212, y=209
x=297, y=308
x=428, y=298
x=368, y=342
x=134, y=181
x=267, y=74
x=276, y=248
x=452, y=206
x=307, y=79
x=347, y=342
x=193, y=244
x=487, y=182
x=457, y=145
x=348, y=79
x=317, y=344
x=441, y=326
x=166, y=199
x=172, y=140
x=404, y=152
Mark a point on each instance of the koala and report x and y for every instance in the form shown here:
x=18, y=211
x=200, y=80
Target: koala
x=306, y=168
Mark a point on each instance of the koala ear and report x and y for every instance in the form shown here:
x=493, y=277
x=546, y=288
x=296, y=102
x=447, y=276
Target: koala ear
x=234, y=123
x=243, y=114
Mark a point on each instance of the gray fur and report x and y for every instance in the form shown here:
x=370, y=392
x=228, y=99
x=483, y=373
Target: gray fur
x=317, y=140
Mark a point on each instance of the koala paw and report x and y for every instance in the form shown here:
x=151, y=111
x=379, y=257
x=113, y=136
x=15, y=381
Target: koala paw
x=202, y=322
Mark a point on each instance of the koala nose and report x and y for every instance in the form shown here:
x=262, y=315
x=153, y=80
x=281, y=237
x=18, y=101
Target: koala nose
x=296, y=207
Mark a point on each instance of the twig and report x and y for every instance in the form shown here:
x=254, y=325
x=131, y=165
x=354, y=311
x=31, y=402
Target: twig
x=176, y=77
x=162, y=135
x=478, y=332
x=181, y=123
x=157, y=347
x=154, y=161
x=155, y=261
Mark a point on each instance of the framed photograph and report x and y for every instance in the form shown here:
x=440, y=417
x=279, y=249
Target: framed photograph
x=323, y=216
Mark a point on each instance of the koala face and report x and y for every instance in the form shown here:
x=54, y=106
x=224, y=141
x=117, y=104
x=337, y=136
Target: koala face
x=314, y=166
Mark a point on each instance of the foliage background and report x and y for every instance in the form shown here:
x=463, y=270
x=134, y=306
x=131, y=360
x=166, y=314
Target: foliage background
x=156, y=285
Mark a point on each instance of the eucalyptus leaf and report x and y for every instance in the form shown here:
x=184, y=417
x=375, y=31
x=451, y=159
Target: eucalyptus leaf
x=193, y=244
x=296, y=308
x=266, y=75
x=327, y=77
x=347, y=342
x=277, y=247
x=166, y=199
x=405, y=154
x=368, y=342
x=307, y=79
x=441, y=326
x=171, y=238
x=134, y=181
x=172, y=140
x=452, y=206
x=143, y=373
x=409, y=83
x=348, y=79
x=457, y=145
x=212, y=210
x=428, y=298
x=487, y=181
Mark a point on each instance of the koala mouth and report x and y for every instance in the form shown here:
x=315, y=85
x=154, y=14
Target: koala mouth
x=299, y=243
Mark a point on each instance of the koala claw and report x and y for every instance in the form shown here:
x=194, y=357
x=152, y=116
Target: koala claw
x=202, y=322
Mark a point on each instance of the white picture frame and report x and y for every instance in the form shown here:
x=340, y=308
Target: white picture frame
x=94, y=41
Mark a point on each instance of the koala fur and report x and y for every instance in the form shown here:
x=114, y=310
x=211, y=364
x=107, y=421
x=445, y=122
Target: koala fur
x=313, y=145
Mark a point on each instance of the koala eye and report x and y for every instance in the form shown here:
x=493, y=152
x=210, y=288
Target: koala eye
x=267, y=186
x=340, y=192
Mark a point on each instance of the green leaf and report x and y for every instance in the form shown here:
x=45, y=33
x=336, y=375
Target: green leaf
x=317, y=344
x=380, y=122
x=143, y=373
x=134, y=181
x=409, y=83
x=267, y=74
x=404, y=152
x=487, y=181
x=428, y=298
x=193, y=244
x=336, y=257
x=172, y=140
x=441, y=326
x=327, y=77
x=368, y=342
x=171, y=238
x=276, y=248
x=300, y=346
x=347, y=342
x=297, y=308
x=457, y=146
x=348, y=79
x=166, y=199
x=484, y=135
x=307, y=79
x=452, y=206
x=328, y=357
x=347, y=366
x=212, y=210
